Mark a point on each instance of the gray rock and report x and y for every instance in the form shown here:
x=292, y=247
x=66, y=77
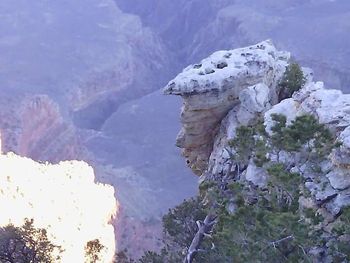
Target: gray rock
x=339, y=178
x=256, y=175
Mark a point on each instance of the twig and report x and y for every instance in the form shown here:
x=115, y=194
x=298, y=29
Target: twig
x=274, y=243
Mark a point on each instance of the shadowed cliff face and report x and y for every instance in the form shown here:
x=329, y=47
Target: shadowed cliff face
x=33, y=126
x=137, y=151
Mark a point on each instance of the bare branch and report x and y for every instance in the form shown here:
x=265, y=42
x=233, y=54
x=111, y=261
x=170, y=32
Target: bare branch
x=274, y=243
x=204, y=229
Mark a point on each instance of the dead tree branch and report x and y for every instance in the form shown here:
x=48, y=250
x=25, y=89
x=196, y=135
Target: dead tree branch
x=204, y=229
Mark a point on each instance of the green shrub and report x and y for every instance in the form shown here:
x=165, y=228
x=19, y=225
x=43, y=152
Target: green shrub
x=243, y=143
x=292, y=80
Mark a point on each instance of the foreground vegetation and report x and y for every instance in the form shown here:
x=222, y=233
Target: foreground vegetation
x=265, y=224
x=27, y=244
x=260, y=224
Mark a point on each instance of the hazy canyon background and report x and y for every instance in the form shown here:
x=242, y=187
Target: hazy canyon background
x=81, y=79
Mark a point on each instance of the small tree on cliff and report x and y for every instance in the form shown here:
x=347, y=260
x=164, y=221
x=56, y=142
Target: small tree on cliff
x=26, y=244
x=305, y=132
x=93, y=250
x=243, y=145
x=292, y=80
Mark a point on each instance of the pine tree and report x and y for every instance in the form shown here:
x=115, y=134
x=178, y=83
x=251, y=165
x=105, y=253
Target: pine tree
x=27, y=244
x=292, y=80
x=243, y=144
x=93, y=250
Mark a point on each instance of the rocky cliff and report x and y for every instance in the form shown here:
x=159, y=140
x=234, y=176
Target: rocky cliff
x=89, y=61
x=240, y=88
x=242, y=79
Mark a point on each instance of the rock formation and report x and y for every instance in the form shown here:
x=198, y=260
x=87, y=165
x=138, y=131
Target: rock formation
x=238, y=87
x=218, y=84
x=88, y=61
x=330, y=107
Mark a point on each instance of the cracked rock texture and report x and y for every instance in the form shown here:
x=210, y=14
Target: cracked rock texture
x=219, y=101
x=210, y=91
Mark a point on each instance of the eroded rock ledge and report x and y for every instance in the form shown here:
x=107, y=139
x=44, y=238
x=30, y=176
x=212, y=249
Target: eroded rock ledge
x=234, y=88
x=210, y=89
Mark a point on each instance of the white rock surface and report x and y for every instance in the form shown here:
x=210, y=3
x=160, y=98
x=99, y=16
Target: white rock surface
x=254, y=100
x=331, y=107
x=287, y=107
x=213, y=87
x=226, y=69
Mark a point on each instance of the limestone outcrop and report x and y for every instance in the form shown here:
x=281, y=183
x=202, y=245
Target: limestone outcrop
x=216, y=85
x=236, y=88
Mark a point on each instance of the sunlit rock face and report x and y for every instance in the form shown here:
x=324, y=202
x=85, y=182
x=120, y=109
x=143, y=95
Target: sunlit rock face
x=62, y=198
